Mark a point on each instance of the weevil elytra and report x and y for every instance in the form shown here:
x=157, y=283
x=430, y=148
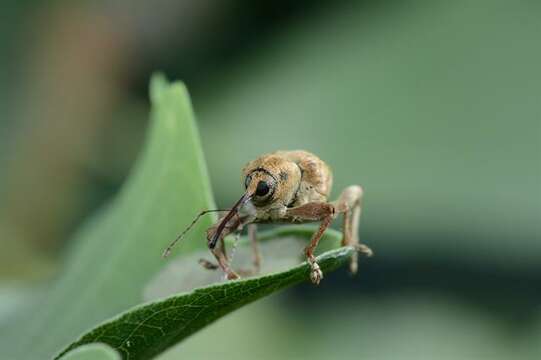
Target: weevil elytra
x=286, y=187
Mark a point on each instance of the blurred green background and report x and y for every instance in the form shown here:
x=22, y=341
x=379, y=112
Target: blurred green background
x=433, y=106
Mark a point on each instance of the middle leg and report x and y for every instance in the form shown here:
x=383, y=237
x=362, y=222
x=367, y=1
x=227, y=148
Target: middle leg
x=252, y=234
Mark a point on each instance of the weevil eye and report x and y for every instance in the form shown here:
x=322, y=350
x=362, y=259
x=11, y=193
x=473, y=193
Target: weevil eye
x=262, y=188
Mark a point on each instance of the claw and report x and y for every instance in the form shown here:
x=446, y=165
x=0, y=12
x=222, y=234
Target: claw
x=316, y=274
x=364, y=250
x=353, y=266
x=360, y=248
x=233, y=276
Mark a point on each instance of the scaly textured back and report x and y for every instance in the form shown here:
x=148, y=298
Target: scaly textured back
x=315, y=175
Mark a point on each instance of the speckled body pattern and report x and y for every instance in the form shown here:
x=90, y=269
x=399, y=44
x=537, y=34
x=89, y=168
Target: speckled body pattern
x=302, y=178
x=286, y=187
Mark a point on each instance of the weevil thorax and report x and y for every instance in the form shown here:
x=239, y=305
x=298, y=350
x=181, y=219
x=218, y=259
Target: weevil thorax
x=273, y=180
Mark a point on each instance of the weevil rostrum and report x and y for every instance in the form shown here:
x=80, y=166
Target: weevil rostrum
x=286, y=187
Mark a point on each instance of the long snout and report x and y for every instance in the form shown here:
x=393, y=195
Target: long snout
x=213, y=240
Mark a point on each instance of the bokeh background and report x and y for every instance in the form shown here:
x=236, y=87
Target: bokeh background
x=433, y=106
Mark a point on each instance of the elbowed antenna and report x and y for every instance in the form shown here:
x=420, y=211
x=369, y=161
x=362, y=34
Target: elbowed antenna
x=234, y=210
x=167, y=251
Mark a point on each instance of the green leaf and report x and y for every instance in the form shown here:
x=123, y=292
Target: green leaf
x=92, y=352
x=148, y=330
x=118, y=251
x=281, y=249
x=116, y=261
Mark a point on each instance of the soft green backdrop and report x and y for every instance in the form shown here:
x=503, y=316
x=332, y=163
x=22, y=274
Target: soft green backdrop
x=433, y=106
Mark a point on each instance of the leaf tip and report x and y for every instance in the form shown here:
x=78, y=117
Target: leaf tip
x=158, y=83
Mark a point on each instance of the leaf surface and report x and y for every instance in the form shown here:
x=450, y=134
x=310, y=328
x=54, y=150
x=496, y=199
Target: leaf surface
x=92, y=352
x=147, y=330
x=119, y=250
x=115, y=263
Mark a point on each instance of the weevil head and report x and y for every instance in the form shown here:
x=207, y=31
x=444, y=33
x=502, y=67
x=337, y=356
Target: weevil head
x=271, y=180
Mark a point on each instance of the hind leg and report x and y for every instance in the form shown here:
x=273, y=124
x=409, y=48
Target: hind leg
x=350, y=204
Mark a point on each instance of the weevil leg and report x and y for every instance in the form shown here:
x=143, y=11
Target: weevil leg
x=252, y=234
x=219, y=251
x=221, y=243
x=224, y=263
x=209, y=265
x=346, y=227
x=316, y=275
x=323, y=212
x=235, y=228
x=350, y=204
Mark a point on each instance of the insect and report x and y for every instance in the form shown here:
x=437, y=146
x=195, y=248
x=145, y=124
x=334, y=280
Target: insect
x=286, y=187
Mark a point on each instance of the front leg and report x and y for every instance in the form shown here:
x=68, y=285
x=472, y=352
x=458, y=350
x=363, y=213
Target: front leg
x=219, y=251
x=323, y=212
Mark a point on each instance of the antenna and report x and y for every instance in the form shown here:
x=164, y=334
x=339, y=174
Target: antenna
x=174, y=242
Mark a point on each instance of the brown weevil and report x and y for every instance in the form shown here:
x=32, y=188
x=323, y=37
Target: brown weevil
x=286, y=187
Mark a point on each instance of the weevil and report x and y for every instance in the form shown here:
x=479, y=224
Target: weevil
x=286, y=187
